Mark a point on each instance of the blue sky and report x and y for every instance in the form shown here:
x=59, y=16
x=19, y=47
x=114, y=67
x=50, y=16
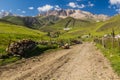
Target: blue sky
x=33, y=7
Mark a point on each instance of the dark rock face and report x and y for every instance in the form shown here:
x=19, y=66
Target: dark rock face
x=21, y=47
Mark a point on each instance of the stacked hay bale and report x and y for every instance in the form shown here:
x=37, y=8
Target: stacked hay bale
x=21, y=47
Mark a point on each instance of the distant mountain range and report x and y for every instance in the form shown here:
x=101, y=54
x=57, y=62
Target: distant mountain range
x=49, y=22
x=55, y=20
x=77, y=14
x=5, y=13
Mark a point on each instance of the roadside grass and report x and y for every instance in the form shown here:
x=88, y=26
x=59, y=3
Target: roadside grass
x=113, y=55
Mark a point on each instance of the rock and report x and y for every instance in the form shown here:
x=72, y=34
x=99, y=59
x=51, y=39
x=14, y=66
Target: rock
x=77, y=14
x=20, y=47
x=66, y=46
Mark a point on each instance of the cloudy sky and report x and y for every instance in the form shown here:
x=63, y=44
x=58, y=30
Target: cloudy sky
x=33, y=7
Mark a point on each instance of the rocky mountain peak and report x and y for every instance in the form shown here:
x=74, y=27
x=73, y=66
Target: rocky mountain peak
x=77, y=14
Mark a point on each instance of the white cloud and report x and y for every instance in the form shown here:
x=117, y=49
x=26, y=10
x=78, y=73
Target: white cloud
x=113, y=2
x=2, y=10
x=57, y=7
x=81, y=6
x=31, y=8
x=45, y=8
x=72, y=4
x=75, y=5
x=90, y=4
x=23, y=12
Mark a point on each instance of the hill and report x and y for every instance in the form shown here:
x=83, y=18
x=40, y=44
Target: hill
x=14, y=32
x=32, y=22
x=68, y=22
x=113, y=23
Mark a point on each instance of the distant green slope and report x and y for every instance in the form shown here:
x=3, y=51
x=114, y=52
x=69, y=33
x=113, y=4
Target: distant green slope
x=113, y=23
x=66, y=23
x=32, y=22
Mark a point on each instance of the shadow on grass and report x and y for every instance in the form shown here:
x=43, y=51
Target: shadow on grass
x=38, y=50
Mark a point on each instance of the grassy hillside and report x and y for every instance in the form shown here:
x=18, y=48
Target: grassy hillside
x=66, y=23
x=13, y=32
x=113, y=23
x=32, y=22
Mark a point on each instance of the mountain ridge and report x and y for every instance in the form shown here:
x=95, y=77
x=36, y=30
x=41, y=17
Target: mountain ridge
x=77, y=14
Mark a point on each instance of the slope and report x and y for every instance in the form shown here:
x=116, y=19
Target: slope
x=68, y=22
x=32, y=22
x=14, y=32
x=113, y=23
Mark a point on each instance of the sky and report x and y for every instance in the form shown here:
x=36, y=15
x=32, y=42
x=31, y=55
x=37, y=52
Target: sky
x=33, y=7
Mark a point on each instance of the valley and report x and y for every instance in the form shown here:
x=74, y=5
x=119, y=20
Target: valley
x=51, y=32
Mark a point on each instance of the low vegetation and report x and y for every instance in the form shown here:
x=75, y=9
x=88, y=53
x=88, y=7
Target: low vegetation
x=110, y=46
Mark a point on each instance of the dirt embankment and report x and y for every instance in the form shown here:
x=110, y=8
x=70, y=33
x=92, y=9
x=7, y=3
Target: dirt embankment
x=81, y=62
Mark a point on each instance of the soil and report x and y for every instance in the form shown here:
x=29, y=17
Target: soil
x=80, y=62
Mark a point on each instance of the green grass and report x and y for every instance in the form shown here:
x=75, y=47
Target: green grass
x=13, y=32
x=67, y=22
x=10, y=32
x=113, y=55
x=9, y=60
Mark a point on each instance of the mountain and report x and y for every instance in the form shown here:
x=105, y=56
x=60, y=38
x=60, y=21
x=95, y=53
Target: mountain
x=77, y=14
x=32, y=22
x=4, y=13
x=56, y=19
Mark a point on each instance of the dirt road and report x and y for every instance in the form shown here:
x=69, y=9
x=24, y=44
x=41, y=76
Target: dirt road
x=81, y=62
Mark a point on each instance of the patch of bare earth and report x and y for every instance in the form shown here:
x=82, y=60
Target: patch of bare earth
x=81, y=62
